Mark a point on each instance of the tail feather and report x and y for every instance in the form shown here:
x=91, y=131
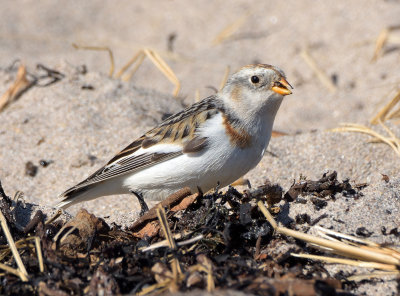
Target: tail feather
x=80, y=193
x=72, y=196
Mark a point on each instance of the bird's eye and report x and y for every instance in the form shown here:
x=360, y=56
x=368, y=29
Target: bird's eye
x=255, y=79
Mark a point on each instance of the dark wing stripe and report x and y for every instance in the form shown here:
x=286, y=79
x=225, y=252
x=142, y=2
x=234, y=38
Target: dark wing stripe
x=131, y=148
x=147, y=142
x=130, y=165
x=195, y=145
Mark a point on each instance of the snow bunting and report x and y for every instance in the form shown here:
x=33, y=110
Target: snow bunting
x=211, y=143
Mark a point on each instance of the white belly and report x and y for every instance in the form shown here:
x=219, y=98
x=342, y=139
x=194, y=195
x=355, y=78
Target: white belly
x=220, y=163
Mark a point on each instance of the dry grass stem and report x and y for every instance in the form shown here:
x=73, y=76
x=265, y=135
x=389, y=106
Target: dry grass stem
x=22, y=243
x=39, y=253
x=160, y=287
x=72, y=229
x=157, y=60
x=320, y=74
x=20, y=85
x=384, y=115
x=55, y=238
x=242, y=182
x=175, y=266
x=100, y=48
x=52, y=219
x=392, y=140
x=210, y=281
x=10, y=240
x=348, y=262
x=165, y=243
x=137, y=58
x=206, y=262
x=376, y=274
x=330, y=234
x=378, y=255
x=164, y=225
x=140, y=58
x=380, y=42
x=355, y=241
x=208, y=270
x=384, y=37
x=13, y=271
x=229, y=30
x=197, y=95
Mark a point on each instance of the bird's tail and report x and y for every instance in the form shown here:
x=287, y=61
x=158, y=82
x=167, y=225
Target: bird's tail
x=75, y=195
x=88, y=191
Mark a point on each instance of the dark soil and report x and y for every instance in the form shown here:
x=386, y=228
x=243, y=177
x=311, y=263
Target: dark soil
x=238, y=251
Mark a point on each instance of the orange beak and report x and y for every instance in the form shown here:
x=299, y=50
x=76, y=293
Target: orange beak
x=282, y=87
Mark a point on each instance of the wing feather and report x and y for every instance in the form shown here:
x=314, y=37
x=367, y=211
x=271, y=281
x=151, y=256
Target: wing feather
x=129, y=165
x=177, y=129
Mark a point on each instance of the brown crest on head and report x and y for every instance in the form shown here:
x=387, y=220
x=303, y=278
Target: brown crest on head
x=265, y=66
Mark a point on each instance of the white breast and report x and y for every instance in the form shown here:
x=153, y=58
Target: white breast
x=220, y=163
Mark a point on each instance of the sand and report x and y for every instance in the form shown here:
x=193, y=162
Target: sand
x=81, y=121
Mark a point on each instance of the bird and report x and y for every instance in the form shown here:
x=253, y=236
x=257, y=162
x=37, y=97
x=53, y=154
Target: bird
x=210, y=144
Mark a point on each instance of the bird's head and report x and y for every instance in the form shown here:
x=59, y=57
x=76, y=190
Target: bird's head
x=256, y=87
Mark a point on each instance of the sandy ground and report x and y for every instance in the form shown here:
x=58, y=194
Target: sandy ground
x=80, y=127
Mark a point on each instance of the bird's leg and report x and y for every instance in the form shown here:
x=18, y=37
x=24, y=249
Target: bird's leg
x=217, y=187
x=143, y=206
x=200, y=191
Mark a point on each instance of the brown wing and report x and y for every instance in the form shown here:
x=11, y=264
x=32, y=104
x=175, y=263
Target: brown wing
x=179, y=128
